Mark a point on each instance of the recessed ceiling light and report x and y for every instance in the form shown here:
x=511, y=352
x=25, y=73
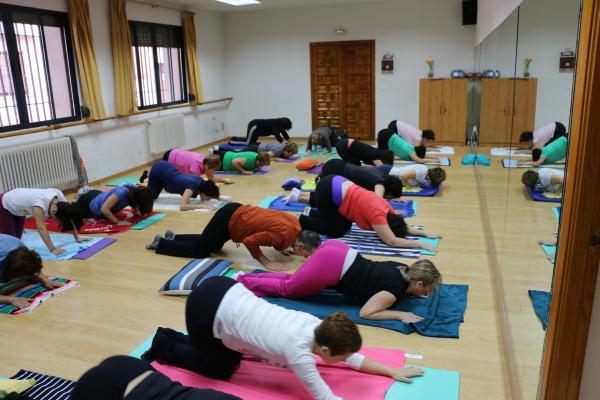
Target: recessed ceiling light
x=240, y=2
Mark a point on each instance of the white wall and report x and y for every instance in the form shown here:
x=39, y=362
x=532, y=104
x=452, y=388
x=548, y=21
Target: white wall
x=545, y=28
x=113, y=146
x=268, y=60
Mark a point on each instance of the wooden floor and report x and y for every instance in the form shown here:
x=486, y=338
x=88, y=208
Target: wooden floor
x=117, y=305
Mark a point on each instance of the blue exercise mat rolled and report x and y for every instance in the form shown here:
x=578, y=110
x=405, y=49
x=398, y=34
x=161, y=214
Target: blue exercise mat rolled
x=541, y=305
x=442, y=312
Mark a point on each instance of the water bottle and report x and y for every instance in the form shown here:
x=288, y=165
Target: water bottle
x=475, y=137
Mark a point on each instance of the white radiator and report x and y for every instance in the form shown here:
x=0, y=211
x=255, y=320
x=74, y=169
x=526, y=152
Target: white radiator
x=165, y=133
x=47, y=164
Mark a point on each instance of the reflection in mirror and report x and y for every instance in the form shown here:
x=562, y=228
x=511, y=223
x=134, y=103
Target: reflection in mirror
x=523, y=125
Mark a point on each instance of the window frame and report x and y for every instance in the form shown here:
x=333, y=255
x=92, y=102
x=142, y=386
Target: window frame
x=133, y=24
x=17, y=74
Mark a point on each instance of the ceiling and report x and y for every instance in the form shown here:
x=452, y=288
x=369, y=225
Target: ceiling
x=213, y=5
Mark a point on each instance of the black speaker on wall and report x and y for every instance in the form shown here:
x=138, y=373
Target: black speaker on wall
x=469, y=12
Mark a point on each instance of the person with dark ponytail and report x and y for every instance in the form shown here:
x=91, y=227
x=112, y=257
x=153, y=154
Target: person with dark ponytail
x=377, y=285
x=277, y=127
x=165, y=176
x=99, y=204
x=18, y=204
x=356, y=152
x=339, y=202
x=18, y=262
x=373, y=179
x=225, y=320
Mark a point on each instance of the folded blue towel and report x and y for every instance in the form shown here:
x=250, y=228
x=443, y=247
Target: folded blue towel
x=409, y=207
x=442, y=312
x=541, y=305
x=469, y=159
x=482, y=159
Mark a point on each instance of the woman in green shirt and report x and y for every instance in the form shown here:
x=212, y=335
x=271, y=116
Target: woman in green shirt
x=404, y=150
x=550, y=154
x=244, y=162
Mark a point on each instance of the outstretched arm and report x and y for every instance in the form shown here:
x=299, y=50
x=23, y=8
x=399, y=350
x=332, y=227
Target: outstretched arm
x=420, y=160
x=377, y=308
x=238, y=164
x=399, y=374
x=38, y=214
x=185, y=202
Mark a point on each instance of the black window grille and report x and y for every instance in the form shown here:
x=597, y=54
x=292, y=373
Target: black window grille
x=38, y=85
x=159, y=65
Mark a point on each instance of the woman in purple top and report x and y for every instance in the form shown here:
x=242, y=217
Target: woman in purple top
x=98, y=204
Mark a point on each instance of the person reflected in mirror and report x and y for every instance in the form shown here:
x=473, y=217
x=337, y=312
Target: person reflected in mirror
x=547, y=179
x=542, y=136
x=550, y=154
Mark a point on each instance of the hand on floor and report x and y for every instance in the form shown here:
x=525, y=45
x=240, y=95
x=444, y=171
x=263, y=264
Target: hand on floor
x=409, y=317
x=56, y=251
x=19, y=302
x=404, y=374
x=427, y=246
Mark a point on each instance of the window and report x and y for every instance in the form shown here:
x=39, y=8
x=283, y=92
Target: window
x=37, y=71
x=159, y=65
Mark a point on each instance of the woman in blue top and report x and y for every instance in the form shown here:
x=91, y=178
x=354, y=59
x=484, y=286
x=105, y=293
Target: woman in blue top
x=165, y=176
x=18, y=262
x=98, y=204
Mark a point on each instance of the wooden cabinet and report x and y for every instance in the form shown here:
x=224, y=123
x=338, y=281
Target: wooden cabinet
x=443, y=108
x=507, y=109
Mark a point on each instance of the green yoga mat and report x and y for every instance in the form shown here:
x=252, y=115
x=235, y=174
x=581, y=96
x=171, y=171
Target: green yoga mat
x=125, y=180
x=148, y=221
x=435, y=384
x=266, y=202
x=550, y=251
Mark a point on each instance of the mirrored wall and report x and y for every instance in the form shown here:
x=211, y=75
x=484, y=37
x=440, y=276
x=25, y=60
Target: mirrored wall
x=527, y=65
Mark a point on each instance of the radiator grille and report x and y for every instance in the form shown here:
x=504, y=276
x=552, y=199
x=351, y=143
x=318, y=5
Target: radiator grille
x=38, y=165
x=165, y=133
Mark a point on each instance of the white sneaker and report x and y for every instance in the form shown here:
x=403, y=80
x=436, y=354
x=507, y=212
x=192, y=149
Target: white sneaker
x=294, y=196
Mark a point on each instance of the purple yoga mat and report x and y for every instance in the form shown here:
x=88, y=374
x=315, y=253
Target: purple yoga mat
x=90, y=251
x=316, y=170
x=261, y=171
x=538, y=195
x=289, y=159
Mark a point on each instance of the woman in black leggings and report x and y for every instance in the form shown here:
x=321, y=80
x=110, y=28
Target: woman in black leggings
x=355, y=152
x=120, y=377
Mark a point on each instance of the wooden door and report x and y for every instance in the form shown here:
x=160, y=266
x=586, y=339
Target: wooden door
x=343, y=86
x=523, y=107
x=495, y=122
x=430, y=105
x=454, y=111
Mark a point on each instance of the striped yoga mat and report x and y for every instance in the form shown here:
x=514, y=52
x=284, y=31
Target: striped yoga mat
x=193, y=274
x=46, y=387
x=367, y=242
x=37, y=293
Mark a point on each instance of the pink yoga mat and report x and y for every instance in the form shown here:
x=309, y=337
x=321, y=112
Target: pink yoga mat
x=255, y=380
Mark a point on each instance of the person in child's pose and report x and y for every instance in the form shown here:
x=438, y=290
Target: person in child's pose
x=355, y=152
x=253, y=226
x=277, y=127
x=99, y=204
x=17, y=204
x=274, y=149
x=548, y=179
x=340, y=202
x=388, y=140
x=377, y=285
x=125, y=377
x=412, y=135
x=543, y=136
x=387, y=187
x=193, y=163
x=18, y=262
x=244, y=162
x=225, y=321
x=418, y=175
x=550, y=154
x=322, y=136
x=165, y=176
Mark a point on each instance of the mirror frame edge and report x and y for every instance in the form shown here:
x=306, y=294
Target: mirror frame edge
x=577, y=263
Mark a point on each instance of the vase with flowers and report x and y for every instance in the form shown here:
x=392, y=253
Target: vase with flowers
x=429, y=68
x=526, y=63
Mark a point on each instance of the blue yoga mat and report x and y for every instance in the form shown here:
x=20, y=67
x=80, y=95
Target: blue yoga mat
x=424, y=192
x=556, y=212
x=442, y=312
x=541, y=305
x=435, y=384
x=538, y=195
x=33, y=241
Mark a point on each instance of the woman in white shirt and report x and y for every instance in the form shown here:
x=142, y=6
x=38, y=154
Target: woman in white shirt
x=547, y=179
x=18, y=204
x=226, y=320
x=418, y=174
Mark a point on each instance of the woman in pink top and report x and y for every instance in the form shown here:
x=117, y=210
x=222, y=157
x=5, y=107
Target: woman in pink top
x=412, y=135
x=340, y=202
x=543, y=136
x=189, y=162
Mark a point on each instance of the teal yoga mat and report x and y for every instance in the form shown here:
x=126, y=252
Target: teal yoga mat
x=148, y=221
x=550, y=251
x=556, y=213
x=435, y=384
x=131, y=180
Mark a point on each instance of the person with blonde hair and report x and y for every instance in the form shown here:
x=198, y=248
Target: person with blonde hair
x=243, y=161
x=225, y=321
x=414, y=175
x=377, y=285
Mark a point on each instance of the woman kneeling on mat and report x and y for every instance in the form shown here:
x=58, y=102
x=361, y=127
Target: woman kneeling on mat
x=99, y=204
x=18, y=262
x=548, y=179
x=189, y=162
x=340, y=202
x=124, y=377
x=225, y=321
x=18, y=204
x=418, y=175
x=244, y=162
x=387, y=187
x=377, y=285
x=357, y=152
x=388, y=140
x=165, y=176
